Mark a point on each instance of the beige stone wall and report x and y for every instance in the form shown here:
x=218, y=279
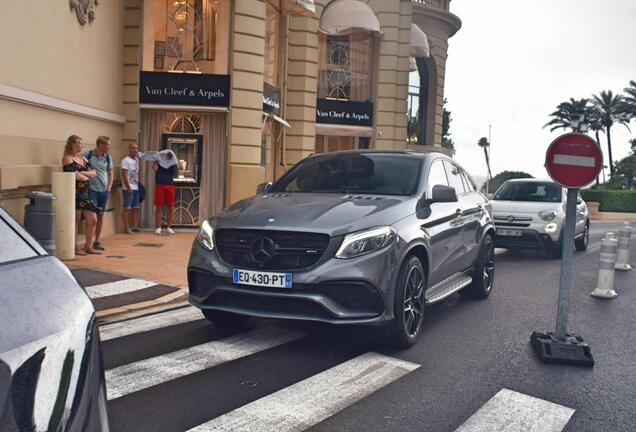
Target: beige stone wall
x=58, y=61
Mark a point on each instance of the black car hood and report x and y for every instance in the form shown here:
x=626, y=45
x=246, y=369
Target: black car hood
x=332, y=214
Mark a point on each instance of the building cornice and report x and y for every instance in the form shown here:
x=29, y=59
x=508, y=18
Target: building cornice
x=450, y=21
x=28, y=97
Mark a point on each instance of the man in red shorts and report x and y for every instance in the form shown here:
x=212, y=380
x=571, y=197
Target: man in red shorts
x=166, y=170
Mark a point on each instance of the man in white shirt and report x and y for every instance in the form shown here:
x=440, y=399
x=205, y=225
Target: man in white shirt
x=130, y=189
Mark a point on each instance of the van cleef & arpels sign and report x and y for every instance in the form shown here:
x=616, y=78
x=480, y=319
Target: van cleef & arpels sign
x=167, y=88
x=344, y=112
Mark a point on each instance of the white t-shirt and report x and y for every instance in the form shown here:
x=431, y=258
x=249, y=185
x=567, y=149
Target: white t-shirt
x=132, y=165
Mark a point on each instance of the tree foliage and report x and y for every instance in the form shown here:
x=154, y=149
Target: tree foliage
x=447, y=141
x=500, y=178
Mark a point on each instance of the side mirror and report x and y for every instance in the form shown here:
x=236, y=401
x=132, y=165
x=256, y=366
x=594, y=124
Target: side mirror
x=263, y=188
x=443, y=194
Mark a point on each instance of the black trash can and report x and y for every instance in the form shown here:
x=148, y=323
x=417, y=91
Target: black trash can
x=39, y=219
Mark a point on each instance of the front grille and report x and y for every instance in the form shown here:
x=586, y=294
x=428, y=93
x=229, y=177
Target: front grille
x=520, y=225
x=517, y=221
x=286, y=250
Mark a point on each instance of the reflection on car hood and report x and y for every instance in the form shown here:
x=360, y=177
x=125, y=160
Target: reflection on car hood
x=523, y=207
x=332, y=214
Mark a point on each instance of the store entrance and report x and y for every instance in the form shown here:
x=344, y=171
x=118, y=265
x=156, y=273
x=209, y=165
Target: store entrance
x=188, y=147
x=331, y=143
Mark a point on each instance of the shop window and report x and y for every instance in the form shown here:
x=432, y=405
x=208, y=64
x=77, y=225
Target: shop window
x=345, y=64
x=272, y=42
x=186, y=35
x=417, y=103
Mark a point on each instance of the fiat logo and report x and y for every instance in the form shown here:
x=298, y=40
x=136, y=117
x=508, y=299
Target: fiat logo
x=511, y=219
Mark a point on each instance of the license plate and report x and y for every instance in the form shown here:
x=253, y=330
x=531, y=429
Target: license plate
x=509, y=232
x=262, y=279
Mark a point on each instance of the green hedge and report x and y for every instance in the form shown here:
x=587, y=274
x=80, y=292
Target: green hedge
x=623, y=201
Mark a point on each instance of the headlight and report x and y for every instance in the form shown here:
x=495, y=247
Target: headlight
x=205, y=237
x=366, y=242
x=551, y=228
x=547, y=215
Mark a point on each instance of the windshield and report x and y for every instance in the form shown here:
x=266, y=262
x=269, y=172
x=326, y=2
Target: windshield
x=354, y=173
x=531, y=191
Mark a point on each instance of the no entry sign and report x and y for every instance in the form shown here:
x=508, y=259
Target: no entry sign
x=574, y=160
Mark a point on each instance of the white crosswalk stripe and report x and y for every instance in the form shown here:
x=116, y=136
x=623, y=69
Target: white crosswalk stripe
x=118, y=287
x=150, y=322
x=143, y=374
x=509, y=411
x=308, y=402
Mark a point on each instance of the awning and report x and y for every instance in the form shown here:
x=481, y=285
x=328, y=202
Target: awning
x=276, y=119
x=348, y=16
x=306, y=8
x=419, y=42
x=343, y=130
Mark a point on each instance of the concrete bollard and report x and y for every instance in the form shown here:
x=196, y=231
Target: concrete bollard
x=622, y=256
x=63, y=187
x=605, y=286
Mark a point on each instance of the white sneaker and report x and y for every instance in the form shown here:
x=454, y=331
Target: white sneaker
x=158, y=231
x=169, y=230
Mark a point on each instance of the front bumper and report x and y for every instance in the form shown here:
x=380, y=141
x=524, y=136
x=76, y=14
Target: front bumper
x=352, y=291
x=529, y=239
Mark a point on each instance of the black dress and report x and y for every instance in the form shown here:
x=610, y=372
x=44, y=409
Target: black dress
x=83, y=199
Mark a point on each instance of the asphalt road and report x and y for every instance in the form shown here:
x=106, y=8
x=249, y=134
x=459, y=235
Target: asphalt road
x=289, y=376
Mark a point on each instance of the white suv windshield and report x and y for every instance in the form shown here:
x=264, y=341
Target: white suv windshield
x=531, y=191
x=354, y=173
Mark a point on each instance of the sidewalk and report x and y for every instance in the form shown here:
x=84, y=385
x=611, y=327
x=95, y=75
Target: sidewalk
x=146, y=256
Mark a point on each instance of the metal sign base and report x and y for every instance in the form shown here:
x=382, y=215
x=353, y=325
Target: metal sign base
x=572, y=350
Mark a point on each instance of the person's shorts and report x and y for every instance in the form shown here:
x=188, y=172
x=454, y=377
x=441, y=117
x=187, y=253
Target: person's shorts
x=131, y=199
x=100, y=199
x=165, y=195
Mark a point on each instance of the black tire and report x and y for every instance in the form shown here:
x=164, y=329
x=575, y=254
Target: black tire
x=408, y=305
x=581, y=243
x=224, y=318
x=484, y=274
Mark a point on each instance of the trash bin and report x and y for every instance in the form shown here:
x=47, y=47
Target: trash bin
x=39, y=219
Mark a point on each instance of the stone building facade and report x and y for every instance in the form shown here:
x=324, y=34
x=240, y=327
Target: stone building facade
x=240, y=89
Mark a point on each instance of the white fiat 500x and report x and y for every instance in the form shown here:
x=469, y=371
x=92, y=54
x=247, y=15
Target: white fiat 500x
x=530, y=214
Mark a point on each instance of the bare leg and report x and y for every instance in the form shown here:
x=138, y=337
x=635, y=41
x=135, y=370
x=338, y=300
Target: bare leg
x=135, y=217
x=78, y=218
x=91, y=220
x=124, y=216
x=158, y=216
x=98, y=226
x=170, y=211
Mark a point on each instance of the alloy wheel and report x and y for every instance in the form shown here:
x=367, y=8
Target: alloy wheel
x=414, y=301
x=488, y=263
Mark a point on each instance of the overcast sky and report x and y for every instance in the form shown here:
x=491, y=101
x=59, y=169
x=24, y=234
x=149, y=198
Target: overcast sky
x=513, y=61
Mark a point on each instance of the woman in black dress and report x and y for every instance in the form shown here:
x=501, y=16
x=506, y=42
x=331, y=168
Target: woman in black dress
x=73, y=161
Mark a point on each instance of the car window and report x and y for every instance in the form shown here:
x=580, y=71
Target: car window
x=454, y=177
x=436, y=175
x=354, y=173
x=13, y=246
x=529, y=191
x=469, y=186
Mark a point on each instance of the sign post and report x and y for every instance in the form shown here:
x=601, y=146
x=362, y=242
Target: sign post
x=573, y=160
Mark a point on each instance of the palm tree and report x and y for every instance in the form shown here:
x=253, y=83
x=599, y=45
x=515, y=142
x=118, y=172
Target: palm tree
x=611, y=109
x=630, y=98
x=483, y=143
x=568, y=115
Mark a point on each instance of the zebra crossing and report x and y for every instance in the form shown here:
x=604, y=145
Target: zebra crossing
x=304, y=399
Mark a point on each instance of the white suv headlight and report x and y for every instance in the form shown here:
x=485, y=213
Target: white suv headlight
x=206, y=235
x=547, y=215
x=365, y=242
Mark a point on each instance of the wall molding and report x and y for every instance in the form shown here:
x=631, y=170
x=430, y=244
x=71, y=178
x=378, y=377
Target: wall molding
x=49, y=102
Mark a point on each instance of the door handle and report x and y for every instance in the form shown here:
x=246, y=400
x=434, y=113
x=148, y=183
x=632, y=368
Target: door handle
x=458, y=212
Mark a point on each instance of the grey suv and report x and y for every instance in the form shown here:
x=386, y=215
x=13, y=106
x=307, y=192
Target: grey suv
x=361, y=237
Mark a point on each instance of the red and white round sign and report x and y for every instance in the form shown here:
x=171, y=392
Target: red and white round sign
x=574, y=160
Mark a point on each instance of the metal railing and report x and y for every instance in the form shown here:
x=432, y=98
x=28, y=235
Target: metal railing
x=440, y=4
